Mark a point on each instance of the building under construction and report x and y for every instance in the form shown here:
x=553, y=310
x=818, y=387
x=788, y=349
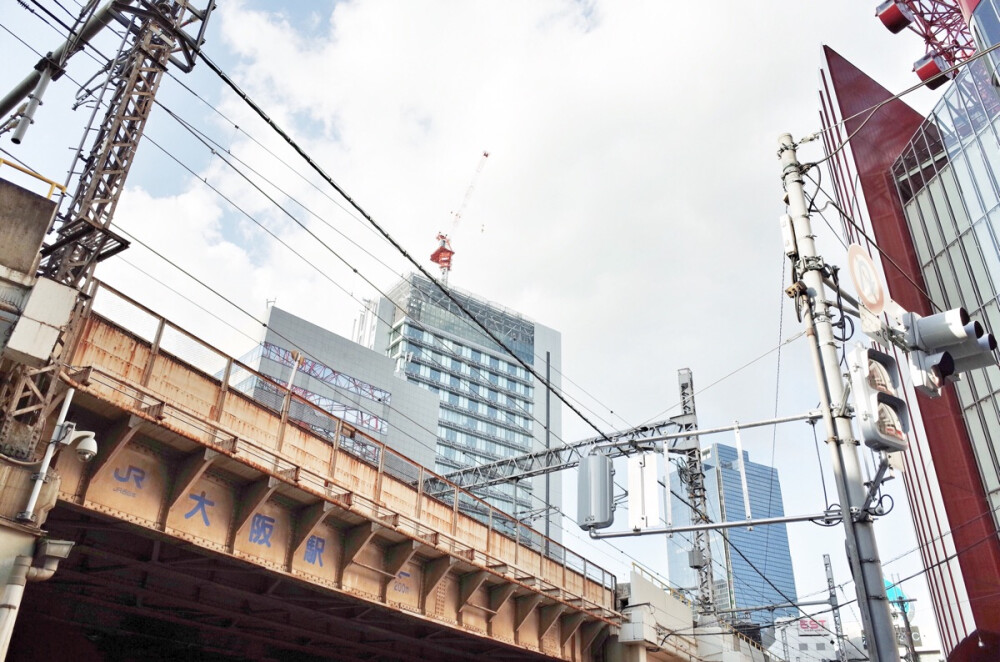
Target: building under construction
x=491, y=407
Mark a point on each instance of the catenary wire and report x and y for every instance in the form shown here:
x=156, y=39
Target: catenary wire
x=718, y=381
x=531, y=494
x=70, y=29
x=568, y=531
x=203, y=137
x=847, y=217
x=350, y=212
x=918, y=547
x=455, y=301
x=872, y=110
x=190, y=128
x=315, y=267
x=345, y=196
x=466, y=321
x=393, y=242
x=736, y=549
x=777, y=393
x=312, y=234
x=444, y=290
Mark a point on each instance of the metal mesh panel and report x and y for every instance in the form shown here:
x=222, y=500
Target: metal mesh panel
x=504, y=523
x=241, y=379
x=474, y=508
x=361, y=448
x=190, y=351
x=529, y=537
x=401, y=468
x=126, y=314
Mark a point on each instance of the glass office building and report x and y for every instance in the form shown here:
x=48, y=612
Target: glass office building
x=737, y=584
x=925, y=190
x=491, y=408
x=947, y=178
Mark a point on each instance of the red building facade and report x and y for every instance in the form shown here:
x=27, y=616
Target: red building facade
x=948, y=468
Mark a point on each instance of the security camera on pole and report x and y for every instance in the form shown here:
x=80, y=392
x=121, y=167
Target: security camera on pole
x=809, y=292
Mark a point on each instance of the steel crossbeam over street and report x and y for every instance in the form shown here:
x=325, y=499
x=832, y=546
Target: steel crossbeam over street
x=640, y=439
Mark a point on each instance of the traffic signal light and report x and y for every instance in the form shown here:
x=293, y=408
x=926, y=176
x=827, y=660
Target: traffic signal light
x=929, y=371
x=945, y=345
x=881, y=412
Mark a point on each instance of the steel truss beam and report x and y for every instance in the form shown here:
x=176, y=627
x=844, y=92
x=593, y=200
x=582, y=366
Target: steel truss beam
x=557, y=459
x=83, y=233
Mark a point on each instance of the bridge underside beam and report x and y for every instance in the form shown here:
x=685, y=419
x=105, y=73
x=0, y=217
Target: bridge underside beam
x=328, y=532
x=135, y=582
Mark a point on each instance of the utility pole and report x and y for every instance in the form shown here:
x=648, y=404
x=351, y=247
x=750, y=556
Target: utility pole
x=911, y=648
x=837, y=625
x=809, y=293
x=694, y=471
x=82, y=234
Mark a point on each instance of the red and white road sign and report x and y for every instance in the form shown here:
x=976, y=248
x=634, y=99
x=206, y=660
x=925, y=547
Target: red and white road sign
x=867, y=282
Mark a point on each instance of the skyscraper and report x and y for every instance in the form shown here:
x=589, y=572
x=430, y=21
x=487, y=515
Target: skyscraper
x=737, y=584
x=926, y=191
x=491, y=407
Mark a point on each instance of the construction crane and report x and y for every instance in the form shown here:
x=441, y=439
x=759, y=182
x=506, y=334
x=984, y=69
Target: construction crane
x=159, y=33
x=943, y=28
x=443, y=253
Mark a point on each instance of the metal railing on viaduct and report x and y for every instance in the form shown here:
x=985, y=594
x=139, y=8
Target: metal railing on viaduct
x=202, y=455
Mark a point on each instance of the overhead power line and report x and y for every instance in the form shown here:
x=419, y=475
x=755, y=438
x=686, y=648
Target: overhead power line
x=869, y=112
x=329, y=180
x=431, y=278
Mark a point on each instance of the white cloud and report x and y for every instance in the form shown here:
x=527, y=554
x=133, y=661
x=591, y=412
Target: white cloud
x=630, y=199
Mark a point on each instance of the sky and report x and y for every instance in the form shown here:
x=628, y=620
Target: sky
x=630, y=199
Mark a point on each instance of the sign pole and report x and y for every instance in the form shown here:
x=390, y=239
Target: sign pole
x=810, y=293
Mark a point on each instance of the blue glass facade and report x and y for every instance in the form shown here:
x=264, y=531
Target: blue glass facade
x=737, y=584
x=766, y=547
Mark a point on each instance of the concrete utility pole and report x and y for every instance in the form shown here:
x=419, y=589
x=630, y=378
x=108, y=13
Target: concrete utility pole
x=911, y=649
x=809, y=292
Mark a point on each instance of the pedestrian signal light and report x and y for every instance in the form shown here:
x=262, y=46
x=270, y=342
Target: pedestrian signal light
x=882, y=414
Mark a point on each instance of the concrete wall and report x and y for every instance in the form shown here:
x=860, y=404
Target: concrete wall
x=412, y=412
x=24, y=218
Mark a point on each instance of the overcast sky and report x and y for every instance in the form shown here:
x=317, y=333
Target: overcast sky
x=630, y=199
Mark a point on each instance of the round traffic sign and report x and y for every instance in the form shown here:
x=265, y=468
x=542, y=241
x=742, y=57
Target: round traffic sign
x=866, y=280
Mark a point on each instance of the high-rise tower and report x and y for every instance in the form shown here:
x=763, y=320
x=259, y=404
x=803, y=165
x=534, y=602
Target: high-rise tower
x=737, y=584
x=491, y=407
